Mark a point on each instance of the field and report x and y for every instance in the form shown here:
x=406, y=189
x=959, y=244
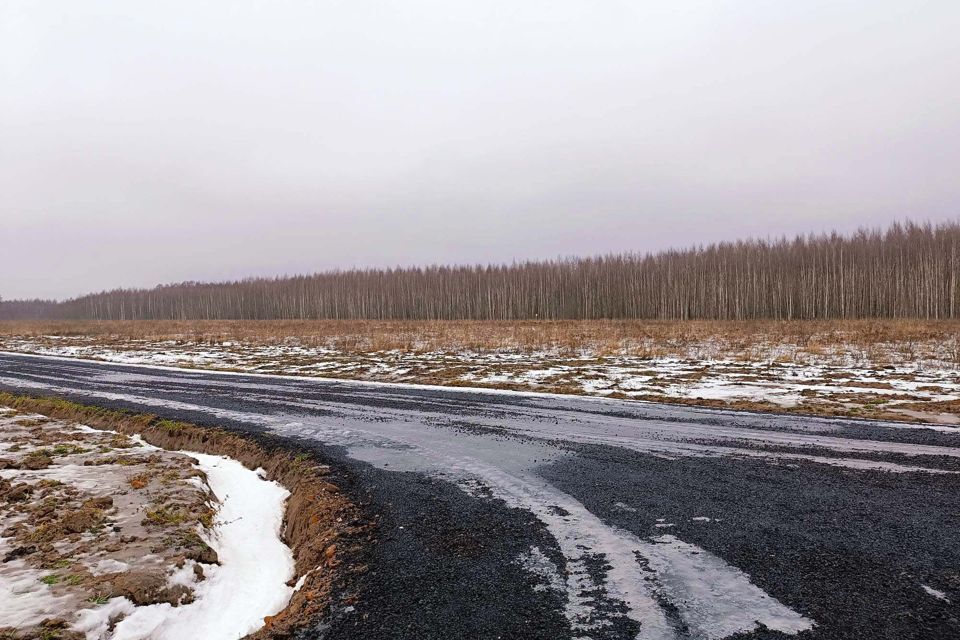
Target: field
x=886, y=369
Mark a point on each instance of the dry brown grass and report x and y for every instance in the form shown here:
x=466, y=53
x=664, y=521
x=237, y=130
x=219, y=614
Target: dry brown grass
x=628, y=337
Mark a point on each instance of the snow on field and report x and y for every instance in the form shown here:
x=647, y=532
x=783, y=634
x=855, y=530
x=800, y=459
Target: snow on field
x=236, y=596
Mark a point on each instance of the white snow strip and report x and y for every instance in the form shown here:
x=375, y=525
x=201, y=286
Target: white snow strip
x=715, y=599
x=939, y=595
x=95, y=623
x=249, y=584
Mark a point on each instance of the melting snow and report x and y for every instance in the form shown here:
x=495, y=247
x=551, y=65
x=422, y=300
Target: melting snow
x=108, y=565
x=249, y=584
x=24, y=600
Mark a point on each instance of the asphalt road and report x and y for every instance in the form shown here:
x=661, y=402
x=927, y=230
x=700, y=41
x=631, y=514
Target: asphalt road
x=505, y=515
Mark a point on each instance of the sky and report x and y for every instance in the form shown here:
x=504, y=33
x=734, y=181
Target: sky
x=146, y=142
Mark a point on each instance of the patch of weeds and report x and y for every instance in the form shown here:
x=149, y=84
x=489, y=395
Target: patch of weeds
x=170, y=476
x=48, y=503
x=139, y=481
x=301, y=463
x=74, y=579
x=120, y=441
x=185, y=540
x=100, y=599
x=170, y=426
x=206, y=518
x=68, y=449
x=165, y=517
x=50, y=580
x=44, y=533
x=62, y=563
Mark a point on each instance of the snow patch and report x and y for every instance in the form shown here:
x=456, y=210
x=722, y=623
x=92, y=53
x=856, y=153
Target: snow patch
x=939, y=595
x=714, y=598
x=107, y=565
x=537, y=563
x=236, y=596
x=24, y=600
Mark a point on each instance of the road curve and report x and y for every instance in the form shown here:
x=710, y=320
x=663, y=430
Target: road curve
x=507, y=515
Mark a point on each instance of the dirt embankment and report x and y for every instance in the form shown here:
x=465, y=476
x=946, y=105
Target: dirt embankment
x=321, y=525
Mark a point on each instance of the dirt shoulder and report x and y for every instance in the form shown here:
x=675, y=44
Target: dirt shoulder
x=97, y=504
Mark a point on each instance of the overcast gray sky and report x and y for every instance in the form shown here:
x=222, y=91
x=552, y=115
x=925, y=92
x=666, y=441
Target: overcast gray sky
x=149, y=142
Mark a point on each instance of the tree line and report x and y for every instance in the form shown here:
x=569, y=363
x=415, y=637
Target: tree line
x=906, y=271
